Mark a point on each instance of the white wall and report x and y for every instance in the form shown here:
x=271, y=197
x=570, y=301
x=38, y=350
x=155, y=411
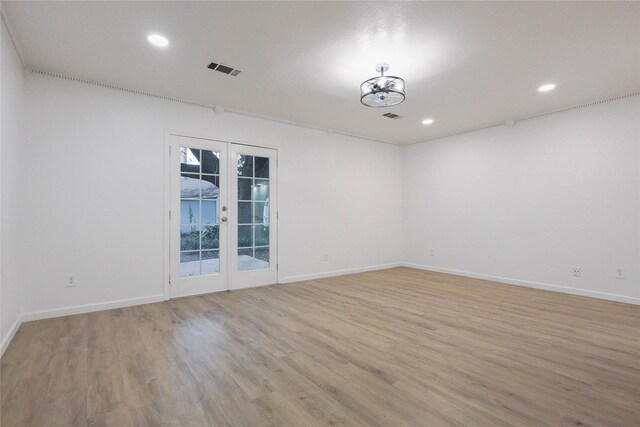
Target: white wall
x=94, y=174
x=11, y=190
x=526, y=204
x=83, y=192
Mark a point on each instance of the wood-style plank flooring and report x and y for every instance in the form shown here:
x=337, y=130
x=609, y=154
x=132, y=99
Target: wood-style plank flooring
x=398, y=347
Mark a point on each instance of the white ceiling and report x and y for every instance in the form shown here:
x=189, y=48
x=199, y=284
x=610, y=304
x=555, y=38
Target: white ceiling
x=466, y=64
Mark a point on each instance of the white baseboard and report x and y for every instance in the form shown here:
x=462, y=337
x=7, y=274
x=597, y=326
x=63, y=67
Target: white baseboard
x=334, y=273
x=529, y=284
x=88, y=308
x=77, y=309
x=10, y=334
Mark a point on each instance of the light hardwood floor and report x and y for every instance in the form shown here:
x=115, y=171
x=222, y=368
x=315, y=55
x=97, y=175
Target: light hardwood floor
x=397, y=347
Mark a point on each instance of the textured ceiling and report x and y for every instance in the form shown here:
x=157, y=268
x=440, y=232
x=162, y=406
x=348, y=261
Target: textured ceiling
x=466, y=65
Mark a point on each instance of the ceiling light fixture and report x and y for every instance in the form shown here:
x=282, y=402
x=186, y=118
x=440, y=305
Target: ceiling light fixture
x=547, y=87
x=427, y=121
x=158, y=40
x=383, y=91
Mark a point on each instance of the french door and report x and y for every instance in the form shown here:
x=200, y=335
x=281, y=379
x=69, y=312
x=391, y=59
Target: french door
x=223, y=216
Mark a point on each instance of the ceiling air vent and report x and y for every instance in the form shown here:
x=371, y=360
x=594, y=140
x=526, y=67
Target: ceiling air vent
x=392, y=116
x=224, y=69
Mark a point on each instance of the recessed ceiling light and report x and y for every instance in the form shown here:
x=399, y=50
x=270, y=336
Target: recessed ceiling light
x=427, y=121
x=547, y=87
x=158, y=40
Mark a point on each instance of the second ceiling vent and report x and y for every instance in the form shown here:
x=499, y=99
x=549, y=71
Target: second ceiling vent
x=224, y=69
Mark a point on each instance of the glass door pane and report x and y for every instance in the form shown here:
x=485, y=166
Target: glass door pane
x=253, y=212
x=199, y=212
x=253, y=219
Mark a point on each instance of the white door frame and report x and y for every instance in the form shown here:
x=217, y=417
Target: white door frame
x=167, y=273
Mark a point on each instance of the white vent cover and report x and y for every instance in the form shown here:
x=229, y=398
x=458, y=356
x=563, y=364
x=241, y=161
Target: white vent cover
x=224, y=69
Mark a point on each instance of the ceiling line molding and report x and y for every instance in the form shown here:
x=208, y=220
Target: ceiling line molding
x=532, y=116
x=12, y=37
x=326, y=130
x=323, y=129
x=575, y=107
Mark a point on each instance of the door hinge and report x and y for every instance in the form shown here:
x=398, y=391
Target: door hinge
x=277, y=267
x=169, y=214
x=169, y=150
x=169, y=279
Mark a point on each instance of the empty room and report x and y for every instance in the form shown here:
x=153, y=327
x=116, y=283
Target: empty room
x=319, y=213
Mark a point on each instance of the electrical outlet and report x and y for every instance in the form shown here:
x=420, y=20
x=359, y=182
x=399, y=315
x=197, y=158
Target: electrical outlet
x=432, y=252
x=326, y=257
x=577, y=271
x=619, y=272
x=71, y=281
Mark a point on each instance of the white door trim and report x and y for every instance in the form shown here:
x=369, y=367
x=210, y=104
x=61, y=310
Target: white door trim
x=167, y=273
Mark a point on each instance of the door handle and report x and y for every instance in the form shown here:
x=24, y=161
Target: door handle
x=223, y=219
